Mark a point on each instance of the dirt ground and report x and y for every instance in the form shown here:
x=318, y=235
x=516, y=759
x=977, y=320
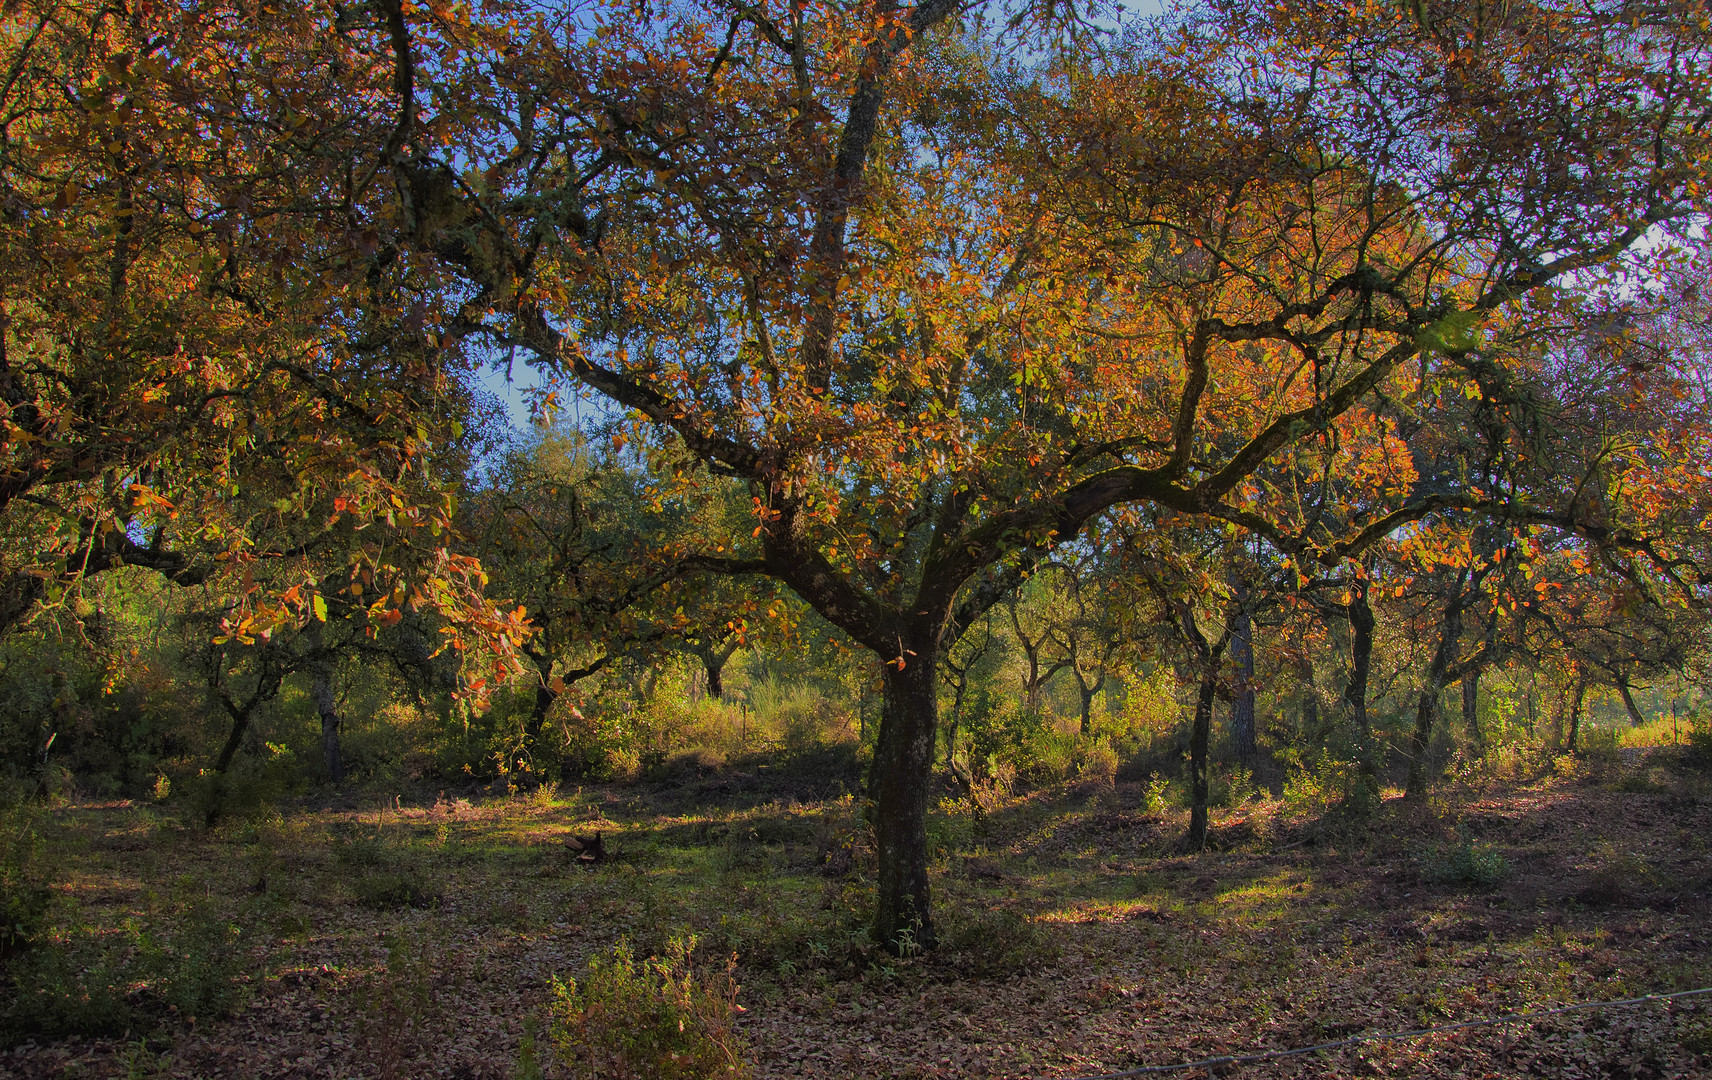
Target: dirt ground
x=380, y=938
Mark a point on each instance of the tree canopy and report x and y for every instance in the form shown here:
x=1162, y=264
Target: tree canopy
x=932, y=288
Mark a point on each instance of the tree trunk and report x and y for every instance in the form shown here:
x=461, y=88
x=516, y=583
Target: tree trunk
x=1199, y=733
x=714, y=664
x=1575, y=715
x=1471, y=711
x=959, y=688
x=1242, y=709
x=321, y=693
x=320, y=665
x=1427, y=707
x=1624, y=692
x=1361, y=624
x=545, y=695
x=1089, y=690
x=240, y=725
x=898, y=785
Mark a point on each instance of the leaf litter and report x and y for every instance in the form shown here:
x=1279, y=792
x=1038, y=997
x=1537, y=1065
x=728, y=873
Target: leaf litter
x=1078, y=938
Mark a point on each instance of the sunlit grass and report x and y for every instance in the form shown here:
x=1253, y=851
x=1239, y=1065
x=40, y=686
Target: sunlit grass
x=1662, y=731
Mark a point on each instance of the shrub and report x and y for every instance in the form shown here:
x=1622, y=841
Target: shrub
x=986, y=943
x=1230, y=787
x=1314, y=789
x=1700, y=740
x=952, y=828
x=658, y=1018
x=84, y=982
x=1156, y=796
x=24, y=892
x=1096, y=760
x=195, y=969
x=63, y=988
x=388, y=889
x=1468, y=863
x=1009, y=735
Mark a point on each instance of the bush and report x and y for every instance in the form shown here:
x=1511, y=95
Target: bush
x=1700, y=740
x=654, y=1019
x=1096, y=760
x=195, y=969
x=24, y=893
x=1230, y=787
x=388, y=889
x=985, y=943
x=1330, y=781
x=84, y=982
x=952, y=828
x=1157, y=796
x=1468, y=863
x=1012, y=736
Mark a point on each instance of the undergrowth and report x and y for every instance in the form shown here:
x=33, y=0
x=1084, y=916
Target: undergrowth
x=654, y=1019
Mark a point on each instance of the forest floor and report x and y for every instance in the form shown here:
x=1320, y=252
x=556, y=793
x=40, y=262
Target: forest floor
x=400, y=940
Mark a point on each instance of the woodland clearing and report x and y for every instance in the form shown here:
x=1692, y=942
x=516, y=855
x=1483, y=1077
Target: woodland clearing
x=381, y=937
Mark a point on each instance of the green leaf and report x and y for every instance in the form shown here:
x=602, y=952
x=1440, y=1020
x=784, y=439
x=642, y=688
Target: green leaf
x=320, y=605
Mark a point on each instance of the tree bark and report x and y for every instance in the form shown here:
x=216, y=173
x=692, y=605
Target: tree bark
x=1033, y=682
x=713, y=661
x=326, y=705
x=1471, y=711
x=545, y=695
x=898, y=786
x=1623, y=691
x=1089, y=690
x=1427, y=706
x=1575, y=715
x=959, y=688
x=1361, y=626
x=321, y=692
x=240, y=715
x=1199, y=734
x=1242, y=708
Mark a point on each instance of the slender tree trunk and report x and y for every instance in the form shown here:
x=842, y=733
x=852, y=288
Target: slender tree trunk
x=1199, y=734
x=1089, y=690
x=326, y=704
x=1361, y=625
x=1427, y=707
x=240, y=725
x=959, y=688
x=1242, y=709
x=1471, y=711
x=898, y=786
x=713, y=661
x=1623, y=691
x=1575, y=714
x=321, y=693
